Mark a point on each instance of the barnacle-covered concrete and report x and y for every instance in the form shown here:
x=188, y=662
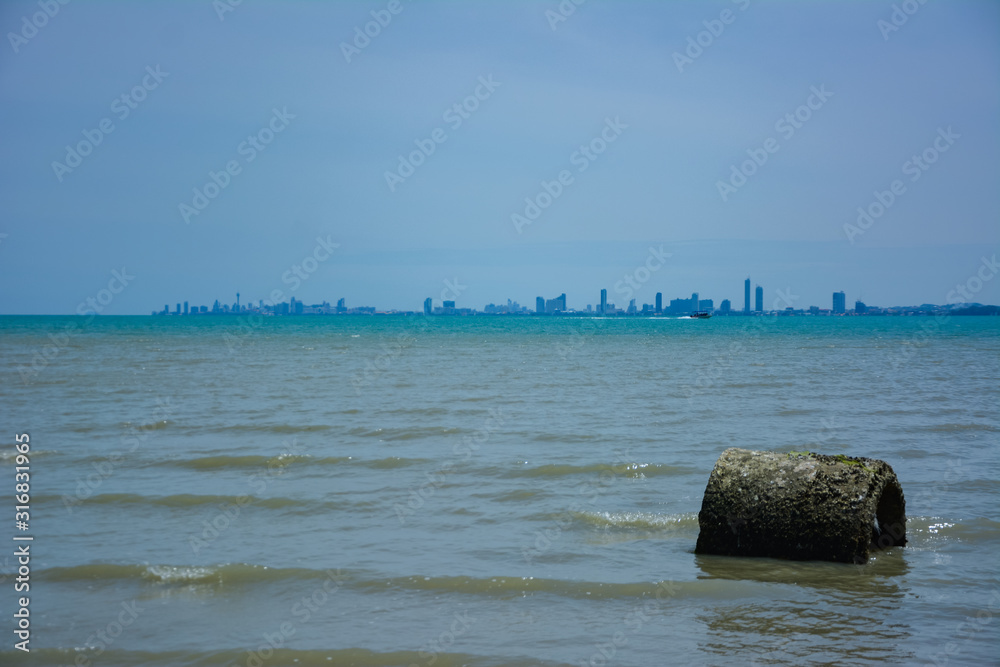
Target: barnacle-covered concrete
x=800, y=506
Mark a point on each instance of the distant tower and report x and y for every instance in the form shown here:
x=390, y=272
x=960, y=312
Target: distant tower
x=604, y=301
x=746, y=296
x=185, y=307
x=695, y=301
x=540, y=305
x=759, y=299
x=237, y=301
x=428, y=306
x=725, y=307
x=839, y=303
x=659, y=302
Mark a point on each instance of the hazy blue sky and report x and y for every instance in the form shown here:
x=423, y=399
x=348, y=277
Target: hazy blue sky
x=213, y=79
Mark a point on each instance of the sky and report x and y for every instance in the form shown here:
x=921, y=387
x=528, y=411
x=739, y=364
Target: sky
x=158, y=152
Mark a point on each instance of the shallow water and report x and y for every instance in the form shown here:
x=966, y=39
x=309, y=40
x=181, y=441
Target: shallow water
x=488, y=491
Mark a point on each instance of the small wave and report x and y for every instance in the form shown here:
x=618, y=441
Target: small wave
x=955, y=428
x=516, y=496
x=184, y=500
x=637, y=470
x=238, y=574
x=393, y=462
x=912, y=453
x=251, y=461
x=230, y=573
x=565, y=438
x=639, y=520
x=132, y=427
x=975, y=531
x=519, y=586
x=409, y=433
x=262, y=461
x=281, y=429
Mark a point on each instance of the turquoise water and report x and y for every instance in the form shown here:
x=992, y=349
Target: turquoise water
x=486, y=491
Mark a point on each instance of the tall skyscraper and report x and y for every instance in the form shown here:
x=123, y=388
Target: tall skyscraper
x=746, y=296
x=725, y=306
x=759, y=299
x=540, y=305
x=659, y=302
x=428, y=305
x=185, y=307
x=695, y=302
x=839, y=303
x=604, y=301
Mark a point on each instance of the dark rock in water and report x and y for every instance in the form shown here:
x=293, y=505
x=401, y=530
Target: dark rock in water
x=800, y=506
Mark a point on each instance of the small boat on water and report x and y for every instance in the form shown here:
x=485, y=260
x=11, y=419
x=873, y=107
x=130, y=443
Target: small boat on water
x=701, y=315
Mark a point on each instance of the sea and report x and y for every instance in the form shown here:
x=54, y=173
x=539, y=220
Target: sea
x=484, y=491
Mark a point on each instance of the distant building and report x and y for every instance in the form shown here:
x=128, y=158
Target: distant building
x=631, y=307
x=185, y=307
x=725, y=307
x=695, y=303
x=839, y=303
x=540, y=305
x=759, y=299
x=679, y=306
x=428, y=305
x=342, y=305
x=556, y=305
x=746, y=296
x=860, y=308
x=604, y=301
x=659, y=302
x=448, y=304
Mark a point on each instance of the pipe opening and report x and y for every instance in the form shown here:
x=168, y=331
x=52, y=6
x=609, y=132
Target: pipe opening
x=889, y=524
